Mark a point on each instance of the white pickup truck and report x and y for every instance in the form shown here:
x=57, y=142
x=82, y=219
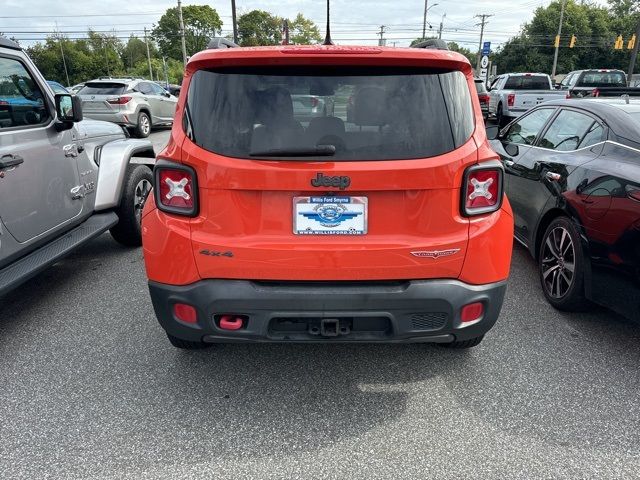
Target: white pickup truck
x=513, y=94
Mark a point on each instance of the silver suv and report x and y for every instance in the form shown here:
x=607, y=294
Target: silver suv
x=133, y=103
x=63, y=180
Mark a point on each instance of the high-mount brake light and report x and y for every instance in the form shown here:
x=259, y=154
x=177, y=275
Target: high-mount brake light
x=482, y=189
x=511, y=99
x=119, y=100
x=176, y=188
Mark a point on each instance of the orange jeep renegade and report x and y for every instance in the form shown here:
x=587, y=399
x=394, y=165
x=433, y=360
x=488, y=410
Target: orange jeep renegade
x=327, y=194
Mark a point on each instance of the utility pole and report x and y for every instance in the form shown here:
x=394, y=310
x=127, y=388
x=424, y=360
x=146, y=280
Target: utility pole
x=557, y=45
x=634, y=54
x=441, y=26
x=383, y=41
x=235, y=24
x=64, y=63
x=483, y=21
x=146, y=42
x=285, y=32
x=184, y=46
x=424, y=21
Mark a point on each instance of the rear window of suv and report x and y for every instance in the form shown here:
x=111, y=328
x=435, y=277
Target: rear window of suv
x=603, y=79
x=359, y=114
x=527, y=82
x=103, y=88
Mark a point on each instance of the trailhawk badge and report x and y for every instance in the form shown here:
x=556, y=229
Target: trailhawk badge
x=435, y=253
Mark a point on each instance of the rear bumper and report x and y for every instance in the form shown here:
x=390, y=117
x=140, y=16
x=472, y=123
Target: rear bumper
x=406, y=311
x=121, y=118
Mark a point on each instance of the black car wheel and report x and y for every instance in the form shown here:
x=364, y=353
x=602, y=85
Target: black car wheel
x=560, y=265
x=128, y=230
x=500, y=116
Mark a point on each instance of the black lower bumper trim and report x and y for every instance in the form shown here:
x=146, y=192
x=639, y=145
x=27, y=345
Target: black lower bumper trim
x=327, y=312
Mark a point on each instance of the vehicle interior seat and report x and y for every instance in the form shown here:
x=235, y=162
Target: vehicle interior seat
x=325, y=130
x=369, y=110
x=277, y=127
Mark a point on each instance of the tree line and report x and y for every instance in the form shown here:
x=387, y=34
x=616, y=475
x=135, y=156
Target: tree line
x=106, y=54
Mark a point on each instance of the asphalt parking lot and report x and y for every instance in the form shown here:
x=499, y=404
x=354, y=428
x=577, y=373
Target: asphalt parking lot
x=91, y=388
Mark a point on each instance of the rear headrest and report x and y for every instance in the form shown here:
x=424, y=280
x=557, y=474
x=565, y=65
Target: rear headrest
x=275, y=105
x=322, y=126
x=370, y=107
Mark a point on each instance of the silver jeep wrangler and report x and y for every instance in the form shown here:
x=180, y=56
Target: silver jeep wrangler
x=63, y=180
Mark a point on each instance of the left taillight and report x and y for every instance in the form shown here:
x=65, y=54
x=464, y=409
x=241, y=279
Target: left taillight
x=482, y=189
x=175, y=188
x=118, y=100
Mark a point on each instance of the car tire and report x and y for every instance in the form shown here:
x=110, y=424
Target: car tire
x=473, y=342
x=186, y=344
x=560, y=250
x=500, y=116
x=136, y=188
x=143, y=128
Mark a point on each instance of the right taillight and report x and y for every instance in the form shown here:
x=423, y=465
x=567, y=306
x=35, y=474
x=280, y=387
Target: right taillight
x=511, y=99
x=176, y=188
x=482, y=189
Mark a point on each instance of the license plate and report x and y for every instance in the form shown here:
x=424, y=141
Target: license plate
x=329, y=215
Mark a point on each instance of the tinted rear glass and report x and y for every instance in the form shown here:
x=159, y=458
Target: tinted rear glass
x=102, y=88
x=603, y=79
x=366, y=114
x=480, y=87
x=530, y=82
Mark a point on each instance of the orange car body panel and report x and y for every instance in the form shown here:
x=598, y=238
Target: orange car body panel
x=246, y=205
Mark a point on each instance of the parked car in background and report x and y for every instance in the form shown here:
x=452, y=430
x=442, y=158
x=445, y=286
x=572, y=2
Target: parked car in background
x=173, y=89
x=133, y=103
x=573, y=180
x=63, y=180
x=513, y=94
x=483, y=96
x=597, y=83
x=76, y=88
x=56, y=87
x=264, y=229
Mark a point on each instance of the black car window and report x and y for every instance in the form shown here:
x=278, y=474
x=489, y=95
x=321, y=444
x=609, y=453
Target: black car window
x=594, y=135
x=566, y=131
x=157, y=89
x=603, y=79
x=22, y=103
x=102, y=88
x=528, y=82
x=525, y=130
x=144, y=87
x=360, y=113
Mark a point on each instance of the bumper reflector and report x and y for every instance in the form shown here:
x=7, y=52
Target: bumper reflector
x=471, y=312
x=185, y=313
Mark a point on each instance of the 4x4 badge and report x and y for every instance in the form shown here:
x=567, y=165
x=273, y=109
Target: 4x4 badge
x=435, y=253
x=322, y=180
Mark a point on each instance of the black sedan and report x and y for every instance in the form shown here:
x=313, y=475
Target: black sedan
x=573, y=181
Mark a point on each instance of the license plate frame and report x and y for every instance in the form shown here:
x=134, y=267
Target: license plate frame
x=330, y=215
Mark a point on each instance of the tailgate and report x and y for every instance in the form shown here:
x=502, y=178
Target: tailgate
x=98, y=104
x=528, y=100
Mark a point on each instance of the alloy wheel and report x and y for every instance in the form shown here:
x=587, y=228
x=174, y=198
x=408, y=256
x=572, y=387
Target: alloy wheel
x=145, y=126
x=558, y=262
x=140, y=197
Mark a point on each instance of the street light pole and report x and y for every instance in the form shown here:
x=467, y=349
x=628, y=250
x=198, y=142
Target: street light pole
x=233, y=18
x=424, y=21
x=555, y=54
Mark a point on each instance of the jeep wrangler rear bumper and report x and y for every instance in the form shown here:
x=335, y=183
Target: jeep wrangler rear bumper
x=395, y=311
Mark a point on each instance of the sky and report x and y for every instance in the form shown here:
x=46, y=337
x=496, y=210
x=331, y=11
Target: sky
x=352, y=21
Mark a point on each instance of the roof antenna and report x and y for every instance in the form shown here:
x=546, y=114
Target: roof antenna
x=327, y=38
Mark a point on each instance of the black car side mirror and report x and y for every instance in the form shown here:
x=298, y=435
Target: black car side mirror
x=493, y=132
x=68, y=110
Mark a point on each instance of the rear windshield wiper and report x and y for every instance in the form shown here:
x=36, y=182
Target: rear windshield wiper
x=320, y=150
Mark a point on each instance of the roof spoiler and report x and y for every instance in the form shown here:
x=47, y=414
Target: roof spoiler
x=221, y=42
x=433, y=43
x=5, y=42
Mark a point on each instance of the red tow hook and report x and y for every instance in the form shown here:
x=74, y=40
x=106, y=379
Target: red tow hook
x=229, y=322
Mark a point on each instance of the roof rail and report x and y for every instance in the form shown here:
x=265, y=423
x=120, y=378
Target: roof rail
x=434, y=43
x=5, y=42
x=221, y=42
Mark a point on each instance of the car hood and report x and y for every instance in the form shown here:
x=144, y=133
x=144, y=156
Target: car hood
x=88, y=128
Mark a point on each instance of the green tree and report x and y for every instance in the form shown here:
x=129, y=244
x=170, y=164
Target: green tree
x=302, y=31
x=258, y=27
x=135, y=50
x=201, y=23
x=454, y=47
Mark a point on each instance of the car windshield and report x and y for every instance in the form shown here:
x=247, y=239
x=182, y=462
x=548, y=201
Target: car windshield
x=102, y=88
x=364, y=114
x=603, y=79
x=528, y=82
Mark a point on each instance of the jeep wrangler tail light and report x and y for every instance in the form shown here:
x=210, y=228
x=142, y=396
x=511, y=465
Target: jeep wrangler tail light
x=175, y=188
x=482, y=189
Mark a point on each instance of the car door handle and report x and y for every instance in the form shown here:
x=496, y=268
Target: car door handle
x=7, y=161
x=553, y=176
